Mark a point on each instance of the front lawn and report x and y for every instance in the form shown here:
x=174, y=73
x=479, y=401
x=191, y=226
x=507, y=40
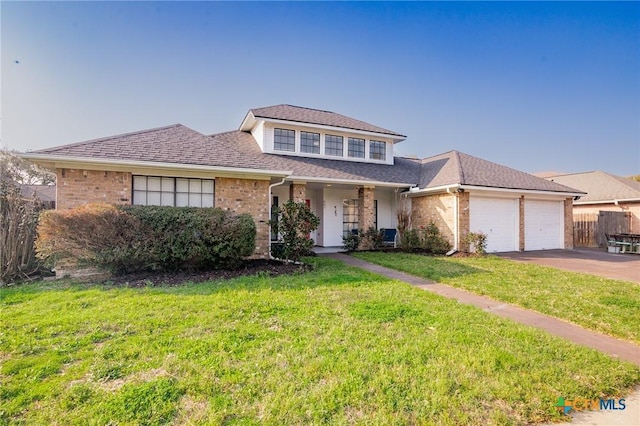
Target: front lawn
x=601, y=304
x=334, y=346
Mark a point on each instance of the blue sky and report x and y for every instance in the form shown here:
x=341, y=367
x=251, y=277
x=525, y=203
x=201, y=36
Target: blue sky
x=534, y=86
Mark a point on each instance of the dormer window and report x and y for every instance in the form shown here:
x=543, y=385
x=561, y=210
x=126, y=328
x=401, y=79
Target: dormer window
x=356, y=148
x=333, y=145
x=310, y=142
x=284, y=140
x=377, y=150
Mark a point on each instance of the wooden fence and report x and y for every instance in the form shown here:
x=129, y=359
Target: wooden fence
x=590, y=229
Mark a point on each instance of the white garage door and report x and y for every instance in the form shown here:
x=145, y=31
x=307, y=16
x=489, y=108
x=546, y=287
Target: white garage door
x=498, y=219
x=543, y=225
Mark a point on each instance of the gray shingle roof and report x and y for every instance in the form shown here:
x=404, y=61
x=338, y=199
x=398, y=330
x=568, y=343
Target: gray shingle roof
x=316, y=116
x=455, y=167
x=600, y=186
x=178, y=144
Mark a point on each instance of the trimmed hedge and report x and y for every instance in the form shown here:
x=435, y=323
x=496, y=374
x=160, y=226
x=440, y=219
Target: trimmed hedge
x=124, y=239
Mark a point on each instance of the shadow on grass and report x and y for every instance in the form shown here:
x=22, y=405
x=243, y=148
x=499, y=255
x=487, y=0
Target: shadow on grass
x=325, y=273
x=433, y=268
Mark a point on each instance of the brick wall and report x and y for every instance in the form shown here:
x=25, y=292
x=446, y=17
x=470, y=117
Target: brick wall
x=438, y=209
x=464, y=221
x=76, y=187
x=247, y=196
x=521, y=203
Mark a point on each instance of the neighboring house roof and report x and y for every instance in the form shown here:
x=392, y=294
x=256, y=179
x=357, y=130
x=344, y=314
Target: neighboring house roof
x=600, y=186
x=315, y=116
x=455, y=167
x=42, y=192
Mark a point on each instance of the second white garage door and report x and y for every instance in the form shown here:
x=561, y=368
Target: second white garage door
x=543, y=225
x=498, y=219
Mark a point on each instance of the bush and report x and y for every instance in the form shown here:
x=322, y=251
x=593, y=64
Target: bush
x=372, y=239
x=295, y=223
x=137, y=238
x=351, y=241
x=433, y=241
x=19, y=218
x=410, y=240
x=426, y=239
x=476, y=242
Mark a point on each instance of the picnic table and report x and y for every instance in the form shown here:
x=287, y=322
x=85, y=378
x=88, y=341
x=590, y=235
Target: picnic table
x=625, y=242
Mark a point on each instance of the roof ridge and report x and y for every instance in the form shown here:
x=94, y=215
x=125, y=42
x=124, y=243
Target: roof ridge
x=138, y=132
x=460, y=169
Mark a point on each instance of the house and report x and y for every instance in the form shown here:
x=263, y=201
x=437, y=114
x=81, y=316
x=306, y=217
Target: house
x=44, y=193
x=343, y=168
x=605, y=193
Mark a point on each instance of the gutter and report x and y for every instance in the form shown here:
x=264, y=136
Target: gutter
x=55, y=160
x=447, y=188
x=614, y=201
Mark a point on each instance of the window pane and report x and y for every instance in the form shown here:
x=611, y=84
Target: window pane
x=207, y=186
x=195, y=200
x=182, y=199
x=207, y=200
x=310, y=142
x=182, y=185
x=153, y=183
x=356, y=147
x=377, y=150
x=284, y=140
x=139, y=198
x=153, y=198
x=166, y=199
x=333, y=145
x=195, y=185
x=140, y=183
x=168, y=184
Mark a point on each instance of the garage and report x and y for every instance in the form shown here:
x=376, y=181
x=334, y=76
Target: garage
x=498, y=218
x=543, y=224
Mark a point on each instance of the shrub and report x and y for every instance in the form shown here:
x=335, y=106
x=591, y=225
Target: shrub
x=476, y=242
x=295, y=223
x=351, y=241
x=433, y=241
x=133, y=238
x=410, y=240
x=372, y=239
x=19, y=218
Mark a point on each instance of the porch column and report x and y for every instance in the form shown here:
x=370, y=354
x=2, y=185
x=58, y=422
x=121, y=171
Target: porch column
x=298, y=192
x=366, y=210
x=464, y=223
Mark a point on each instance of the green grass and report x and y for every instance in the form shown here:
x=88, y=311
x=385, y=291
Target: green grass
x=334, y=346
x=601, y=304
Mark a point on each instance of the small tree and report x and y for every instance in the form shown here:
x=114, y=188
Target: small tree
x=476, y=242
x=295, y=223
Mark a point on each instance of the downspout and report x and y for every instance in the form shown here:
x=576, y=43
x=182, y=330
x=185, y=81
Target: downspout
x=456, y=221
x=270, y=205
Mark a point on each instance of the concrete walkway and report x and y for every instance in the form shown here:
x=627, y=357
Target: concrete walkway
x=611, y=346
x=606, y=344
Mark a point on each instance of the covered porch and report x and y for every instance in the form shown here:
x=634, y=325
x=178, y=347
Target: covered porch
x=342, y=207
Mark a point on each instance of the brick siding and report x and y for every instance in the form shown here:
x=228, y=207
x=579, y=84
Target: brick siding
x=568, y=223
x=438, y=209
x=76, y=187
x=247, y=196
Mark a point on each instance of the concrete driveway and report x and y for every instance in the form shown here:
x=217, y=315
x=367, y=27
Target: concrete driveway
x=589, y=261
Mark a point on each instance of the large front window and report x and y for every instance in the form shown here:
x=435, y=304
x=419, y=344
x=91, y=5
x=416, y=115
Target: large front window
x=284, y=140
x=310, y=142
x=333, y=145
x=168, y=191
x=377, y=150
x=356, y=147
